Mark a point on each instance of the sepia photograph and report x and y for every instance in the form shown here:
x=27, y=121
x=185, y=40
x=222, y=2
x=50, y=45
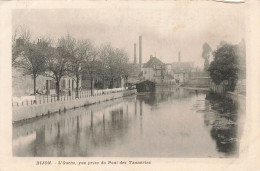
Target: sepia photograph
x=129, y=82
x=130, y=85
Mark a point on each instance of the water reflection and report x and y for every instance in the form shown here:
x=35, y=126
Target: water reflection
x=223, y=113
x=155, y=98
x=165, y=124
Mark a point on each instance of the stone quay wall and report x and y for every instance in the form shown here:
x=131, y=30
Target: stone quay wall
x=20, y=113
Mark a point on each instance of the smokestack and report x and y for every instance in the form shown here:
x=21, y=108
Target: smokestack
x=179, y=56
x=134, y=53
x=140, y=51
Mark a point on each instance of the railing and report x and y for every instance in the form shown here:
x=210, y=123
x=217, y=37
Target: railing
x=42, y=99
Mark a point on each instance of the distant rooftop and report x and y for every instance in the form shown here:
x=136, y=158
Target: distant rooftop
x=152, y=62
x=178, y=67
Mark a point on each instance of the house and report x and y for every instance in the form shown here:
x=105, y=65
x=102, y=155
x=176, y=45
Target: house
x=153, y=70
x=22, y=85
x=66, y=84
x=169, y=79
x=181, y=70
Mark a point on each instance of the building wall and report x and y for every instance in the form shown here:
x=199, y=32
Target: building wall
x=199, y=74
x=22, y=85
x=154, y=74
x=148, y=73
x=182, y=77
x=198, y=82
x=199, y=79
x=168, y=69
x=98, y=84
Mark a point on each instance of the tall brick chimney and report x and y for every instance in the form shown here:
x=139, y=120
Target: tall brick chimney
x=134, y=53
x=140, y=51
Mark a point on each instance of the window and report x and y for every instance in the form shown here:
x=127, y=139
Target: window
x=69, y=83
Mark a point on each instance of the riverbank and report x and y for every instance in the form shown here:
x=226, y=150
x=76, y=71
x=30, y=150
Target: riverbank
x=197, y=88
x=240, y=99
x=27, y=112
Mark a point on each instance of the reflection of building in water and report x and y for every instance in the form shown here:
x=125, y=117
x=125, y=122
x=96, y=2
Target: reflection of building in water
x=181, y=93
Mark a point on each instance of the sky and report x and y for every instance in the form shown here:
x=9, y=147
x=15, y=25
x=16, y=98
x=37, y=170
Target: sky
x=165, y=30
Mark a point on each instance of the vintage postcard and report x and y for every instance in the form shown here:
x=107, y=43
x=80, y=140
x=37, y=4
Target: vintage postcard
x=122, y=85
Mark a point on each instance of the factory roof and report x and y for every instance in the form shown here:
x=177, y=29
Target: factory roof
x=153, y=62
x=182, y=67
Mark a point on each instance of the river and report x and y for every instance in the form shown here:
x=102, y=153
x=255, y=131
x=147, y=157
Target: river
x=176, y=123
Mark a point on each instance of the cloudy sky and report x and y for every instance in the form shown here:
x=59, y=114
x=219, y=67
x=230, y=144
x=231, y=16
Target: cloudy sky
x=165, y=29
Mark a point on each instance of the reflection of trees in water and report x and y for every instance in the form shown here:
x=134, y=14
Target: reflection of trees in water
x=222, y=115
x=79, y=142
x=226, y=107
x=108, y=130
x=39, y=146
x=226, y=139
x=76, y=133
x=117, y=119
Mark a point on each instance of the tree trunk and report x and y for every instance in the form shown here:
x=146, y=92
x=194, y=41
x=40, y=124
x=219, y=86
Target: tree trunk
x=126, y=81
x=112, y=83
x=103, y=82
x=77, y=86
x=91, y=86
x=34, y=84
x=58, y=89
x=118, y=83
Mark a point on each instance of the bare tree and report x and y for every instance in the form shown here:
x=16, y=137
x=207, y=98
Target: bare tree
x=15, y=50
x=79, y=57
x=107, y=57
x=121, y=59
x=91, y=66
x=29, y=57
x=57, y=62
x=21, y=36
x=115, y=63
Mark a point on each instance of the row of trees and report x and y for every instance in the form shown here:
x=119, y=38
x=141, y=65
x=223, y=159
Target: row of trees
x=69, y=57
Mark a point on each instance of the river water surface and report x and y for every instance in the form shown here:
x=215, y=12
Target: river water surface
x=176, y=123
